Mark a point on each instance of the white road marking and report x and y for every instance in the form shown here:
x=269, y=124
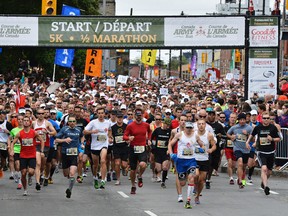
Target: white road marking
x=150, y=213
x=272, y=192
x=123, y=194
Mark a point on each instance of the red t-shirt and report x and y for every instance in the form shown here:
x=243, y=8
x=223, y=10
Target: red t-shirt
x=174, y=123
x=28, y=144
x=141, y=133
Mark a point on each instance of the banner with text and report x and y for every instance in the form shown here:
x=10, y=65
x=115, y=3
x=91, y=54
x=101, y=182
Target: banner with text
x=93, y=66
x=128, y=32
x=262, y=72
x=149, y=57
x=264, y=32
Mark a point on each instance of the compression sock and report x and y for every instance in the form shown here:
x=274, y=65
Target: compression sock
x=189, y=189
x=71, y=183
x=164, y=175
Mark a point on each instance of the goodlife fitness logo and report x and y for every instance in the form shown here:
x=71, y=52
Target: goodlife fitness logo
x=265, y=36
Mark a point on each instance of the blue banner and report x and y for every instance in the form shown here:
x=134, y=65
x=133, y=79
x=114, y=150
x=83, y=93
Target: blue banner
x=0, y=50
x=64, y=57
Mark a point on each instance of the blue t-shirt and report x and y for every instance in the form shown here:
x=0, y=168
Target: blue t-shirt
x=241, y=138
x=73, y=133
x=57, y=128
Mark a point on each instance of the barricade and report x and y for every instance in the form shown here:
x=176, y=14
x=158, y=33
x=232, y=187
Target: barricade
x=282, y=148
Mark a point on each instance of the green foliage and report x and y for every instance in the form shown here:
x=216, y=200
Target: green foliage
x=41, y=57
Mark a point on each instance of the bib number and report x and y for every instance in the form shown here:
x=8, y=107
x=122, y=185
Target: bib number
x=229, y=143
x=187, y=152
x=161, y=144
x=119, y=139
x=139, y=149
x=101, y=138
x=197, y=151
x=27, y=142
x=71, y=151
x=3, y=146
x=264, y=141
x=42, y=135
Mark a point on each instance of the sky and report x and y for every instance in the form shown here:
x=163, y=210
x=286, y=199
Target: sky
x=166, y=8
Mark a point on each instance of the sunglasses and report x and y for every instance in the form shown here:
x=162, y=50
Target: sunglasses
x=266, y=118
x=129, y=114
x=168, y=113
x=72, y=121
x=222, y=117
x=158, y=119
x=13, y=116
x=272, y=119
x=40, y=113
x=200, y=116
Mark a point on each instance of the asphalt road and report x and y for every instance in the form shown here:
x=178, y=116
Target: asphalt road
x=221, y=199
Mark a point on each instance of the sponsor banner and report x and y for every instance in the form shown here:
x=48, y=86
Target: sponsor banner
x=149, y=57
x=101, y=31
x=205, y=31
x=18, y=31
x=93, y=66
x=262, y=72
x=263, y=32
x=64, y=57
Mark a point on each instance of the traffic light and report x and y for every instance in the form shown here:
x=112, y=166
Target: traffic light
x=49, y=7
x=119, y=61
x=237, y=55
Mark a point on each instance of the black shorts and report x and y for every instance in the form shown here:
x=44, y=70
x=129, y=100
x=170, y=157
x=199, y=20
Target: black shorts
x=161, y=155
x=16, y=156
x=203, y=165
x=52, y=154
x=252, y=154
x=97, y=152
x=266, y=159
x=239, y=154
x=121, y=152
x=46, y=150
x=109, y=151
x=69, y=160
x=87, y=149
x=27, y=162
x=4, y=153
x=134, y=158
x=214, y=159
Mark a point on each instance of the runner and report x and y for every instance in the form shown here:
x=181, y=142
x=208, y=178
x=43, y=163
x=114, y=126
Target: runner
x=267, y=137
x=71, y=138
x=137, y=133
x=27, y=138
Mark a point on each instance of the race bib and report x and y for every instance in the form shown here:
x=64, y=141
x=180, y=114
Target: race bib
x=3, y=146
x=187, y=152
x=119, y=139
x=161, y=144
x=139, y=149
x=42, y=135
x=241, y=137
x=197, y=151
x=71, y=151
x=230, y=143
x=27, y=142
x=264, y=141
x=101, y=138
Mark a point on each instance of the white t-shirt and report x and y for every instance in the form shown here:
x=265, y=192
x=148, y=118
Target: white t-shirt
x=100, y=139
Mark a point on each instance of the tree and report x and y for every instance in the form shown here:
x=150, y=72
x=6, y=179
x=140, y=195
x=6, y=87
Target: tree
x=11, y=57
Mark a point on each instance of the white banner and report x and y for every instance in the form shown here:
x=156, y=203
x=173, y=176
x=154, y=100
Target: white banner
x=262, y=72
x=204, y=31
x=229, y=76
x=122, y=79
x=111, y=82
x=18, y=31
x=163, y=91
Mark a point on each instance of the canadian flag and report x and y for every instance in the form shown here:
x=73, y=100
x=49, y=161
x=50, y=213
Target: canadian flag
x=19, y=99
x=251, y=6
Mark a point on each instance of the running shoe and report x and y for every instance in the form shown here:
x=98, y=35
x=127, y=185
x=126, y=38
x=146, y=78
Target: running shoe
x=124, y=173
x=244, y=182
x=197, y=201
x=133, y=190
x=163, y=185
x=140, y=182
x=25, y=193
x=56, y=169
x=30, y=181
x=68, y=193
x=207, y=185
x=117, y=182
x=96, y=185
x=241, y=186
x=102, y=184
x=158, y=179
x=50, y=180
x=11, y=177
x=250, y=179
x=5, y=168
x=45, y=183
x=180, y=198
x=108, y=177
x=84, y=174
x=19, y=186
x=38, y=187
x=1, y=174
x=231, y=182
x=114, y=177
x=187, y=205
x=267, y=190
x=79, y=179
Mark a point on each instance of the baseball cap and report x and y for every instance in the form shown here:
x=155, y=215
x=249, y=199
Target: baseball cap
x=138, y=112
x=189, y=124
x=22, y=110
x=168, y=111
x=167, y=121
x=138, y=103
x=241, y=116
x=119, y=114
x=53, y=111
x=123, y=106
x=254, y=112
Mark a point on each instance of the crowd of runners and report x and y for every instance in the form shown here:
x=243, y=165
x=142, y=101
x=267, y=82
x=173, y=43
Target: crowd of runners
x=120, y=130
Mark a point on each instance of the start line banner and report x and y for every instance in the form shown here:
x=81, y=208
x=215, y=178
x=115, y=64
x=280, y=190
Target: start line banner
x=128, y=32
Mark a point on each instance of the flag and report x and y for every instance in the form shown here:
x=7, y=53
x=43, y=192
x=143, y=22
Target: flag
x=0, y=50
x=19, y=99
x=149, y=57
x=93, y=66
x=64, y=57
